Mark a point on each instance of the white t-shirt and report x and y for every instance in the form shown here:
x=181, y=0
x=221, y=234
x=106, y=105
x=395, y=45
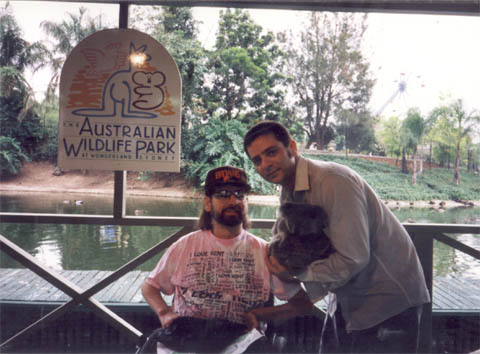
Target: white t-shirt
x=218, y=278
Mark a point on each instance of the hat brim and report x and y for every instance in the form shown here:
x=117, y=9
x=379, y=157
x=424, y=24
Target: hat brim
x=246, y=187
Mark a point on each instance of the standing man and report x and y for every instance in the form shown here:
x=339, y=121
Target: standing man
x=374, y=272
x=219, y=271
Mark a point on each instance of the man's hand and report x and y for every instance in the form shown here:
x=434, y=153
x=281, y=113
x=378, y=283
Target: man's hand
x=251, y=321
x=276, y=268
x=166, y=317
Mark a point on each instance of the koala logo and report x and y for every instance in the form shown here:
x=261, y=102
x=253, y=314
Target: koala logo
x=148, y=87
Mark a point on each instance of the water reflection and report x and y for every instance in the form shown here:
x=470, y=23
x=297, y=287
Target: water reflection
x=107, y=247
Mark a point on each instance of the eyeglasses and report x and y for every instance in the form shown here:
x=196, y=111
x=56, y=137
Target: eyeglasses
x=226, y=193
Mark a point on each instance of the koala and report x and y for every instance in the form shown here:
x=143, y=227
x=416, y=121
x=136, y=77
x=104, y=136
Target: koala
x=299, y=237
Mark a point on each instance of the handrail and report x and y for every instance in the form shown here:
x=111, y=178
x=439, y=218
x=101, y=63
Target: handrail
x=422, y=235
x=80, y=296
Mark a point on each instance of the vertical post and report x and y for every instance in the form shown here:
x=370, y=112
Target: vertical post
x=119, y=194
x=123, y=15
x=120, y=177
x=424, y=246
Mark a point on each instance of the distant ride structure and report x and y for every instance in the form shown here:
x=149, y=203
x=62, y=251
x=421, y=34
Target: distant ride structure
x=399, y=102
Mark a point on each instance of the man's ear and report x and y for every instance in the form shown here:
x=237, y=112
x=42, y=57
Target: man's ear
x=207, y=204
x=292, y=145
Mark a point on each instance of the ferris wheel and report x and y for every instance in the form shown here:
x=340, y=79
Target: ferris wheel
x=401, y=99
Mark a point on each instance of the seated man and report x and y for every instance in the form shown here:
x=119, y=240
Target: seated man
x=218, y=272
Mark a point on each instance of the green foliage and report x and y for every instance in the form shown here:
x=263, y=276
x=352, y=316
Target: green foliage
x=412, y=129
x=15, y=52
x=217, y=143
x=47, y=149
x=389, y=136
x=11, y=157
x=180, y=20
x=175, y=28
x=63, y=37
x=245, y=81
x=356, y=131
x=328, y=71
x=444, y=154
x=18, y=120
x=390, y=184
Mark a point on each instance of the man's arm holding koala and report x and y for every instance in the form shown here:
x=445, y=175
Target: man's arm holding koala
x=277, y=269
x=299, y=239
x=298, y=305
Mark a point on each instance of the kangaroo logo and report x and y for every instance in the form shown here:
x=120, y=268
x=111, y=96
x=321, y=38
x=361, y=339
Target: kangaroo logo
x=129, y=92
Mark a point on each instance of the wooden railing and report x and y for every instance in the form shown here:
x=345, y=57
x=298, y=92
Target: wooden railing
x=422, y=235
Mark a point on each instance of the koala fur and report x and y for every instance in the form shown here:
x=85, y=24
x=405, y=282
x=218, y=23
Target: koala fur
x=299, y=237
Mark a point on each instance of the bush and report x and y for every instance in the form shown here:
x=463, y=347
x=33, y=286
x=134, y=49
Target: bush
x=217, y=143
x=390, y=184
x=11, y=157
x=47, y=150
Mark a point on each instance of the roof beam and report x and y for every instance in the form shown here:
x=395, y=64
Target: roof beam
x=446, y=7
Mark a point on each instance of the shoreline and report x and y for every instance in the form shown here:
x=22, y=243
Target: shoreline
x=40, y=177
x=173, y=193
x=167, y=193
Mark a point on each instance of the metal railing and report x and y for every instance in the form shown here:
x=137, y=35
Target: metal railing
x=422, y=236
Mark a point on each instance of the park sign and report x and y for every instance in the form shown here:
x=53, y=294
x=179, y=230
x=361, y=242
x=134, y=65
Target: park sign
x=120, y=105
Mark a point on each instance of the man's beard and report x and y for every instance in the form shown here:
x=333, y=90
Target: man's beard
x=231, y=219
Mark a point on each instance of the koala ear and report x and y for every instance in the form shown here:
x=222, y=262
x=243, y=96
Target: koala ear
x=285, y=209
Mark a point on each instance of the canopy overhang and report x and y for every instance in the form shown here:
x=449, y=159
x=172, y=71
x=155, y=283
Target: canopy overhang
x=446, y=7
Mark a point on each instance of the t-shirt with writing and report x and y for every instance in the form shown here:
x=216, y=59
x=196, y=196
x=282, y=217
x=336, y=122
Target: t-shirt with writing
x=218, y=278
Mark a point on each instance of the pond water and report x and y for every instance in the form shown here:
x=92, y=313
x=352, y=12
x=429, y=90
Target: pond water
x=107, y=247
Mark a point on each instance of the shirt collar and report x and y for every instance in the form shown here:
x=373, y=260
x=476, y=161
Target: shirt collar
x=302, y=182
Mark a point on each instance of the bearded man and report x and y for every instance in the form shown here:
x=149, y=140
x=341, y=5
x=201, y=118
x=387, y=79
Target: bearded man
x=218, y=273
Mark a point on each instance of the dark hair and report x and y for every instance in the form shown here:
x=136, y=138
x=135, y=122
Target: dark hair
x=267, y=127
x=205, y=221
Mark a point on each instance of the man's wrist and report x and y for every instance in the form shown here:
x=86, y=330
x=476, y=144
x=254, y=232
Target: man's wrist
x=163, y=311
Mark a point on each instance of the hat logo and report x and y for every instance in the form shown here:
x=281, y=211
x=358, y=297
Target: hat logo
x=227, y=175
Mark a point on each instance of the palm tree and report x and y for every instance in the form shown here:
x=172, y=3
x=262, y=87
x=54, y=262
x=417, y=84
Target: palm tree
x=413, y=128
x=430, y=133
x=65, y=36
x=20, y=130
x=461, y=125
x=16, y=54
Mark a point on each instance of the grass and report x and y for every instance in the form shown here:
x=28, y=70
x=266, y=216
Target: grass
x=391, y=184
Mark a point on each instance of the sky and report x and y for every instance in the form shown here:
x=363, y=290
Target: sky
x=433, y=55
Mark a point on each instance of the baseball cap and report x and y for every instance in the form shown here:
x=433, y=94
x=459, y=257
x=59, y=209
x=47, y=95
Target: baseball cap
x=225, y=176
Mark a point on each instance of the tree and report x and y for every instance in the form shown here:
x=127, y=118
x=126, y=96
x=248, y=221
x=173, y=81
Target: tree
x=244, y=80
x=215, y=143
x=444, y=139
x=11, y=156
x=430, y=133
x=16, y=55
x=19, y=123
x=179, y=20
x=413, y=128
x=329, y=73
x=176, y=29
x=357, y=130
x=64, y=37
x=460, y=123
x=389, y=136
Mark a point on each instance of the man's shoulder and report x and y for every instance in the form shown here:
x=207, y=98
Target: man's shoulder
x=254, y=239
x=192, y=236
